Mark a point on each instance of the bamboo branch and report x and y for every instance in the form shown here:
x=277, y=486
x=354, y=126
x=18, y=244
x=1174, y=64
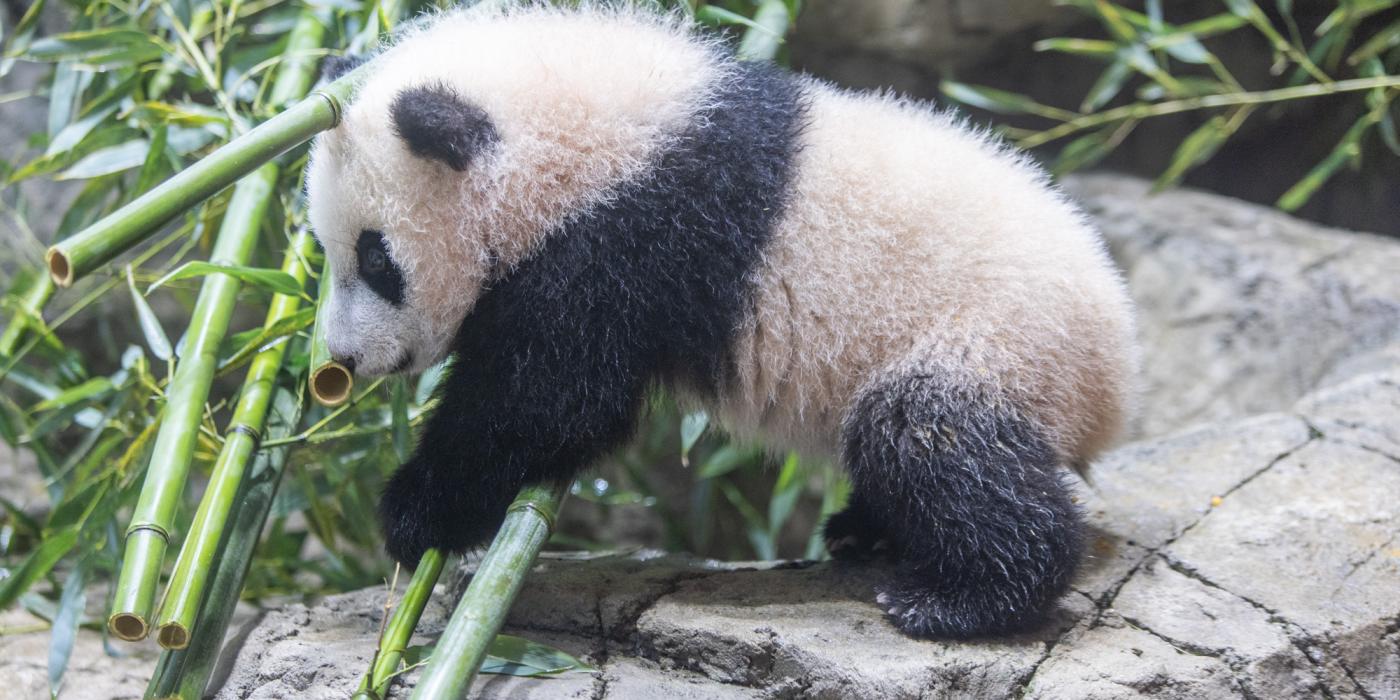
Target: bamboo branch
x=99, y=243
x=1157, y=109
x=375, y=684
x=330, y=383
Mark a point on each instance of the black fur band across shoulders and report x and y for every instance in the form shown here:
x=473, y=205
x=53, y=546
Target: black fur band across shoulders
x=552, y=364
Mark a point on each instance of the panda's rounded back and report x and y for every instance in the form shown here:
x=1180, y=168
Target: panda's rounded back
x=914, y=244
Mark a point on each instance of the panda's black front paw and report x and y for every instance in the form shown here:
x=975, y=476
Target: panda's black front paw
x=428, y=504
x=413, y=514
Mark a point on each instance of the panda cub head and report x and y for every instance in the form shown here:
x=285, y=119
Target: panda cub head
x=374, y=214
x=473, y=138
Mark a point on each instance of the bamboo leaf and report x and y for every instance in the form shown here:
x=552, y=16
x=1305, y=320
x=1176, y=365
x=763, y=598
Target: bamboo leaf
x=156, y=340
x=150, y=169
x=1304, y=189
x=1107, y=86
x=517, y=656
x=70, y=136
x=275, y=281
x=726, y=459
x=1242, y=8
x=692, y=427
x=717, y=16
x=256, y=340
x=1000, y=101
x=98, y=47
x=1383, y=40
x=65, y=624
x=113, y=159
x=87, y=391
x=37, y=564
x=1079, y=47
x=1083, y=152
x=1195, y=149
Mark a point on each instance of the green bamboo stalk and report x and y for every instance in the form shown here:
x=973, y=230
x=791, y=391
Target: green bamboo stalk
x=184, y=673
x=32, y=304
x=330, y=382
x=99, y=243
x=185, y=591
x=488, y=598
x=149, y=532
x=375, y=684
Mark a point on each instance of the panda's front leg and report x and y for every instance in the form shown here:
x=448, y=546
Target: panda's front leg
x=537, y=403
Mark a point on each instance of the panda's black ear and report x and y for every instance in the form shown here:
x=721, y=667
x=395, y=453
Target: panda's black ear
x=336, y=66
x=438, y=124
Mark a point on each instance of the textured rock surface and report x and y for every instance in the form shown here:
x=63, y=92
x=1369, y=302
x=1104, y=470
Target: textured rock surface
x=1247, y=537
x=1245, y=540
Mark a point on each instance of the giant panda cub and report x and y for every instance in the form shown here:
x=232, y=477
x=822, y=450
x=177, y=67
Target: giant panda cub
x=577, y=205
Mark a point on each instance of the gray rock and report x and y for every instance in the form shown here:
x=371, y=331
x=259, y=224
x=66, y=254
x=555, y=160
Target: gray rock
x=1245, y=543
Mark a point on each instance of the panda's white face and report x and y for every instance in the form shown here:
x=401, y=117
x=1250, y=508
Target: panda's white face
x=473, y=139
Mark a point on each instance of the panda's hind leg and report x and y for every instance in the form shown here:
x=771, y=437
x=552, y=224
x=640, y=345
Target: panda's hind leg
x=985, y=531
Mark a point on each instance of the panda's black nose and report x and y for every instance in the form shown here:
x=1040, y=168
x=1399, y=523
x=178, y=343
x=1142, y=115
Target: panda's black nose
x=347, y=362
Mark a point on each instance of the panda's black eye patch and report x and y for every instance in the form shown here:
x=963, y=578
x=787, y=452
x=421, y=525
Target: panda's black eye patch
x=377, y=269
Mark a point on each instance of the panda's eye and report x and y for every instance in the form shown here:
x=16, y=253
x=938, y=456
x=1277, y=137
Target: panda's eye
x=377, y=269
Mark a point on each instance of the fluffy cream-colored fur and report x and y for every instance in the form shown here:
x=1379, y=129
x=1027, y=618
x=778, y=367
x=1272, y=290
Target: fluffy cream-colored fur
x=910, y=244
x=914, y=244
x=581, y=102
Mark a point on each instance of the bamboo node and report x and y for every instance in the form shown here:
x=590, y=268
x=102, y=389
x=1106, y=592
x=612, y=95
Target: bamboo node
x=334, y=104
x=545, y=514
x=248, y=430
x=153, y=527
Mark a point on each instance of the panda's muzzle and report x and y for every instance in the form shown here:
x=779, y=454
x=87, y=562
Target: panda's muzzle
x=404, y=363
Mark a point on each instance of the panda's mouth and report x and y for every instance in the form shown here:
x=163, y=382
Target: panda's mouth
x=404, y=363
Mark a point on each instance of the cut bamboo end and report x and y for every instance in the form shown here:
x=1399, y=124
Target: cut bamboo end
x=172, y=635
x=331, y=384
x=128, y=627
x=60, y=269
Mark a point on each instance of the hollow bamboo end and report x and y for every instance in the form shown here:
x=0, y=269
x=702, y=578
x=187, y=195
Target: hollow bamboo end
x=128, y=627
x=331, y=384
x=172, y=635
x=60, y=268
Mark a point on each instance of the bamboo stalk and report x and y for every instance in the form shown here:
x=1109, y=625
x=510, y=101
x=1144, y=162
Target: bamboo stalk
x=99, y=243
x=185, y=592
x=184, y=673
x=149, y=532
x=330, y=383
x=32, y=304
x=488, y=598
x=375, y=684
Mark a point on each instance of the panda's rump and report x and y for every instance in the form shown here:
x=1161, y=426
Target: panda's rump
x=911, y=242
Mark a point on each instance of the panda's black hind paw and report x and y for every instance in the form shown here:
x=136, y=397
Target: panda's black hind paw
x=852, y=535
x=920, y=610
